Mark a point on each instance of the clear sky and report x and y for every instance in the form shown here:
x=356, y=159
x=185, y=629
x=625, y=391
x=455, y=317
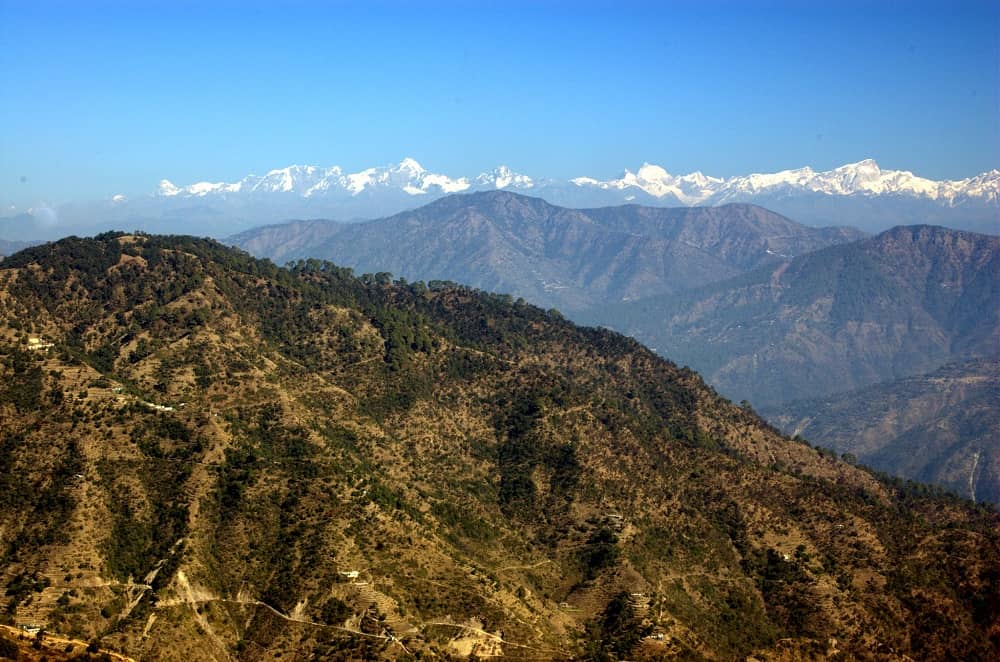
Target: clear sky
x=98, y=98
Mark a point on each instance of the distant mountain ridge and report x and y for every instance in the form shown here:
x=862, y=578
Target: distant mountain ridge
x=309, y=181
x=941, y=427
x=901, y=303
x=864, y=177
x=860, y=194
x=570, y=259
x=10, y=247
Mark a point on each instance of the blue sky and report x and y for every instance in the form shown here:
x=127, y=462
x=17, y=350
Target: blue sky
x=109, y=97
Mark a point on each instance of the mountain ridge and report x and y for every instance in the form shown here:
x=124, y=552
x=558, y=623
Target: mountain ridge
x=903, y=302
x=864, y=177
x=553, y=256
x=9, y=247
x=308, y=463
x=938, y=427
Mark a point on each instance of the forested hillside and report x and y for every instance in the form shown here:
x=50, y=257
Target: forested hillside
x=205, y=456
x=941, y=427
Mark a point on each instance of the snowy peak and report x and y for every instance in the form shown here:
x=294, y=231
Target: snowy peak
x=410, y=166
x=503, y=177
x=864, y=178
x=293, y=179
x=654, y=180
x=410, y=178
x=865, y=165
x=986, y=186
x=167, y=188
x=311, y=181
x=650, y=172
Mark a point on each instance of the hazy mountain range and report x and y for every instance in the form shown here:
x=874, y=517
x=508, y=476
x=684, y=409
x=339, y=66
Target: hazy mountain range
x=904, y=302
x=767, y=309
x=571, y=259
x=859, y=194
x=204, y=457
x=864, y=177
x=941, y=427
x=8, y=247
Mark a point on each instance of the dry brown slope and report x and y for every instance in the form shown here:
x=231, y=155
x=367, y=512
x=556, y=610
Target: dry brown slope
x=212, y=447
x=941, y=427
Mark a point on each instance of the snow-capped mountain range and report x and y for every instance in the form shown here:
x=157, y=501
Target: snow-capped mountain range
x=860, y=194
x=407, y=176
x=862, y=178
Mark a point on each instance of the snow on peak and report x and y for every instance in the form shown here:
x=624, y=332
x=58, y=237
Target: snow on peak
x=653, y=173
x=444, y=183
x=503, y=177
x=864, y=164
x=864, y=177
x=200, y=189
x=296, y=179
x=167, y=188
x=204, y=188
x=411, y=166
x=654, y=180
x=409, y=177
x=857, y=174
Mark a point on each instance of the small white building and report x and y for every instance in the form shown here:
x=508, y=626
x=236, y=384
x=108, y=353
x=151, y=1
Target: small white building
x=34, y=342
